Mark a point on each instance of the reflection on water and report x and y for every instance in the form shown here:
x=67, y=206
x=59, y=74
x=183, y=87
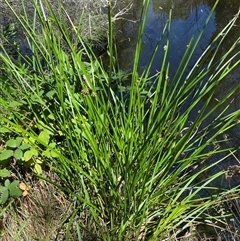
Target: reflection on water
x=182, y=31
x=188, y=18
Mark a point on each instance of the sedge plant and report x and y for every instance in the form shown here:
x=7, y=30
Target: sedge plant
x=124, y=156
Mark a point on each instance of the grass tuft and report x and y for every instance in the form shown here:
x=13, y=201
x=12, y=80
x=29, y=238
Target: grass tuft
x=131, y=164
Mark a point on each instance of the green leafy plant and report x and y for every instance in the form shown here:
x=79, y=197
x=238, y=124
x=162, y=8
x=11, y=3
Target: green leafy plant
x=4, y=173
x=14, y=148
x=9, y=189
x=32, y=157
x=23, y=150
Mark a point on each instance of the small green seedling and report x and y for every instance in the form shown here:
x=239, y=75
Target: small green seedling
x=9, y=189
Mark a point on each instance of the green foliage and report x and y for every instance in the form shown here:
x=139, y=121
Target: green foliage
x=125, y=155
x=13, y=148
x=24, y=152
x=9, y=189
x=4, y=173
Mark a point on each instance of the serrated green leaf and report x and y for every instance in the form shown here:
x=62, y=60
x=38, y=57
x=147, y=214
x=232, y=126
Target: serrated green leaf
x=4, y=196
x=4, y=172
x=24, y=146
x=12, y=143
x=18, y=154
x=6, y=154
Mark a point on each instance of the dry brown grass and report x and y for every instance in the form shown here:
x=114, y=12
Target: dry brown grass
x=38, y=216
x=43, y=214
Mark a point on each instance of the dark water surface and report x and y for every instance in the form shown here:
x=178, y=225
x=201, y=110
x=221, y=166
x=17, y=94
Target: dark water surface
x=182, y=30
x=188, y=18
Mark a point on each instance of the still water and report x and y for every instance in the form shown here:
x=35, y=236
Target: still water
x=188, y=18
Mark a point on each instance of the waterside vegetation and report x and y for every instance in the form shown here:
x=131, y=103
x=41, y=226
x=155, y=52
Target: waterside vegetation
x=119, y=148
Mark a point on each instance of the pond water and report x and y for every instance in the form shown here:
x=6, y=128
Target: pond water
x=188, y=17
